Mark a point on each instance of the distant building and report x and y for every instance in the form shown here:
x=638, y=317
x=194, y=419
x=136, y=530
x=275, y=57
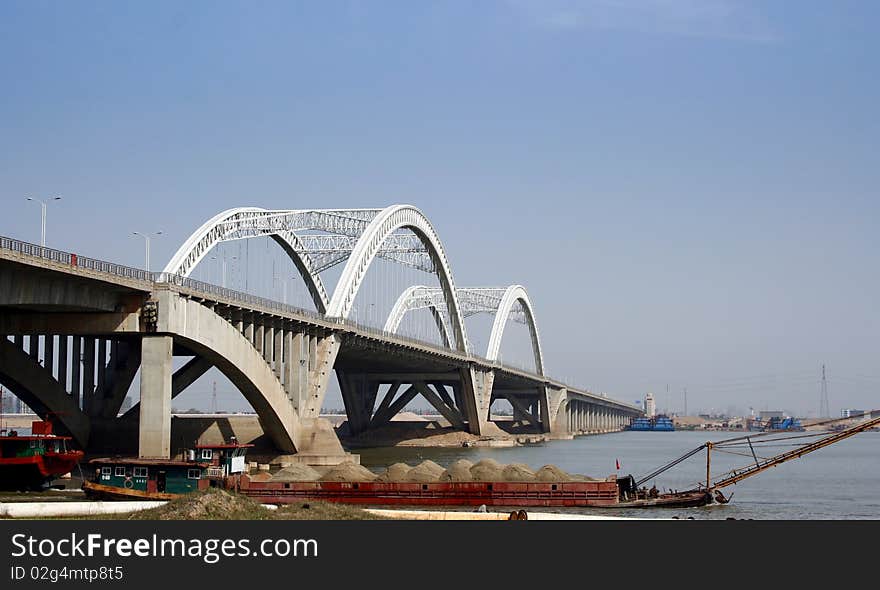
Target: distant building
x=851, y=413
x=650, y=406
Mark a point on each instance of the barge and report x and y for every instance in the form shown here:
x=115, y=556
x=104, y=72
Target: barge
x=223, y=466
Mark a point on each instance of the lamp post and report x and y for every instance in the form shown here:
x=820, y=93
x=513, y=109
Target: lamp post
x=146, y=238
x=43, y=205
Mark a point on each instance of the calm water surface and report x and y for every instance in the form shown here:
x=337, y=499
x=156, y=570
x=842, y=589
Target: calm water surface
x=839, y=482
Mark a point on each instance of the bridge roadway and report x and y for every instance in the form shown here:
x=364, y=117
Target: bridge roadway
x=56, y=307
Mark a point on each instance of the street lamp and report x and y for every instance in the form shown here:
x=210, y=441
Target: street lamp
x=42, y=217
x=146, y=238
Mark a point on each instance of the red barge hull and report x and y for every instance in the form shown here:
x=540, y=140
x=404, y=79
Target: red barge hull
x=568, y=494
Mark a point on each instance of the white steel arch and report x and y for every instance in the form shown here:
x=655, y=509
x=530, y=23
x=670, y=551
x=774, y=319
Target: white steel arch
x=418, y=297
x=383, y=225
x=512, y=295
x=511, y=303
x=240, y=223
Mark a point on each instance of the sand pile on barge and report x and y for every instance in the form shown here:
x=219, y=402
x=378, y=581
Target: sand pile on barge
x=425, y=472
x=394, y=473
x=348, y=471
x=297, y=472
x=458, y=471
x=487, y=470
x=517, y=472
x=552, y=473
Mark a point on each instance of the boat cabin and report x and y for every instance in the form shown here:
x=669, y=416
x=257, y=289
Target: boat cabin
x=223, y=459
x=151, y=475
x=40, y=442
x=198, y=468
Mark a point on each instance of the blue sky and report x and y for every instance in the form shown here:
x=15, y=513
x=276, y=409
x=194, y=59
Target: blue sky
x=688, y=188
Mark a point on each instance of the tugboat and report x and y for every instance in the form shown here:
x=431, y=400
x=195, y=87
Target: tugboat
x=131, y=478
x=32, y=461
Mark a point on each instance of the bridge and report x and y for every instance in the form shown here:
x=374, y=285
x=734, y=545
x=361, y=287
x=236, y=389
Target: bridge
x=76, y=331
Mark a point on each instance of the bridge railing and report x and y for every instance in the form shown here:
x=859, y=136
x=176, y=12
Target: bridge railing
x=232, y=295
x=74, y=260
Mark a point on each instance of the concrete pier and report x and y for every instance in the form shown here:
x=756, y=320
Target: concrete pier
x=155, y=409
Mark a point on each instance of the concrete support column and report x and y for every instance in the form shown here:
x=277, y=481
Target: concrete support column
x=49, y=354
x=269, y=344
x=322, y=357
x=278, y=350
x=542, y=408
x=286, y=366
x=476, y=396
x=260, y=337
x=88, y=387
x=296, y=372
x=102, y=375
x=76, y=371
x=154, y=436
x=62, y=361
x=248, y=324
x=34, y=346
x=313, y=353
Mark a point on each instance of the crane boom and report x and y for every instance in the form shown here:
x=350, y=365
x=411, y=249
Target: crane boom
x=760, y=466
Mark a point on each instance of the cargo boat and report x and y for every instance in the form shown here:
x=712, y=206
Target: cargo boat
x=204, y=466
x=32, y=461
x=131, y=478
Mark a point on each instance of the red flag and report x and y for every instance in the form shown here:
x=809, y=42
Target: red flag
x=617, y=463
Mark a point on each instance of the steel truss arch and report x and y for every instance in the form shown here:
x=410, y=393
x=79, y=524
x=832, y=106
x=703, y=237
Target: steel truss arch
x=243, y=223
x=419, y=297
x=511, y=303
x=387, y=223
x=515, y=294
x=311, y=253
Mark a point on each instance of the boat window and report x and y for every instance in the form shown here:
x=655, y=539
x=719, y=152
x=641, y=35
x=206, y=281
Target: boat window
x=193, y=474
x=207, y=453
x=105, y=471
x=140, y=472
x=120, y=472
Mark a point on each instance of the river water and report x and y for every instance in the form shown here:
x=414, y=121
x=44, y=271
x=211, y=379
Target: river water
x=838, y=482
